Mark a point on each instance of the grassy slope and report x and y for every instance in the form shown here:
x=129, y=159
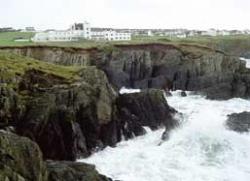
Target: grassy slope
x=12, y=65
x=230, y=44
x=8, y=38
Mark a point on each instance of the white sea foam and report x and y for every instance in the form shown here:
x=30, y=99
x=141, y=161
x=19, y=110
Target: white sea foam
x=125, y=90
x=247, y=62
x=202, y=149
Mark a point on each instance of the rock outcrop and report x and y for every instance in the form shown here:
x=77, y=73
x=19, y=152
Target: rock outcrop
x=165, y=66
x=63, y=109
x=67, y=120
x=239, y=122
x=148, y=108
x=20, y=159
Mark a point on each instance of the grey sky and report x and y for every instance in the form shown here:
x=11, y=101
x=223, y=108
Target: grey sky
x=192, y=14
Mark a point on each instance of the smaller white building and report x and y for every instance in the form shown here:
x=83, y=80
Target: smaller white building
x=110, y=35
x=56, y=36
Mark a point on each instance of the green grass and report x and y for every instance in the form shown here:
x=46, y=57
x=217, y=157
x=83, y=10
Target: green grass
x=12, y=65
x=234, y=45
x=8, y=38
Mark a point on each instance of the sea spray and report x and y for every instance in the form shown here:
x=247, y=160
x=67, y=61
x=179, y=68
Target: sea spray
x=202, y=149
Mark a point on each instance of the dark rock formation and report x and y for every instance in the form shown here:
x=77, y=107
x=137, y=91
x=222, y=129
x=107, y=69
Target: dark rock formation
x=73, y=171
x=147, y=108
x=183, y=94
x=66, y=120
x=10, y=107
x=72, y=112
x=20, y=159
x=239, y=122
x=64, y=110
x=168, y=94
x=165, y=66
x=170, y=67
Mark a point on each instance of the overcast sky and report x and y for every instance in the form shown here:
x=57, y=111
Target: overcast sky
x=192, y=14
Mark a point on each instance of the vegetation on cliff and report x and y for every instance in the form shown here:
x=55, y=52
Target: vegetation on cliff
x=13, y=65
x=8, y=38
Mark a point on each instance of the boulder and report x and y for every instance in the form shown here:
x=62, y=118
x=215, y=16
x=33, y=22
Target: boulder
x=168, y=94
x=183, y=94
x=20, y=159
x=239, y=122
x=148, y=108
x=73, y=171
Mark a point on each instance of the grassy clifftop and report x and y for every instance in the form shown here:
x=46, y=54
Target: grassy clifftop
x=8, y=38
x=236, y=44
x=12, y=65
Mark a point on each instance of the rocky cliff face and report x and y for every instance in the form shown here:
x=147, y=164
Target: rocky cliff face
x=72, y=112
x=22, y=160
x=63, y=109
x=63, y=56
x=66, y=120
x=164, y=66
x=148, y=108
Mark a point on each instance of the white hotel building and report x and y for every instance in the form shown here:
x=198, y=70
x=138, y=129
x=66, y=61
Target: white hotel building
x=80, y=31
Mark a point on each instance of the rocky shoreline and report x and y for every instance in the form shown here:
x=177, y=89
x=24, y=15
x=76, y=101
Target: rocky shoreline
x=64, y=104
